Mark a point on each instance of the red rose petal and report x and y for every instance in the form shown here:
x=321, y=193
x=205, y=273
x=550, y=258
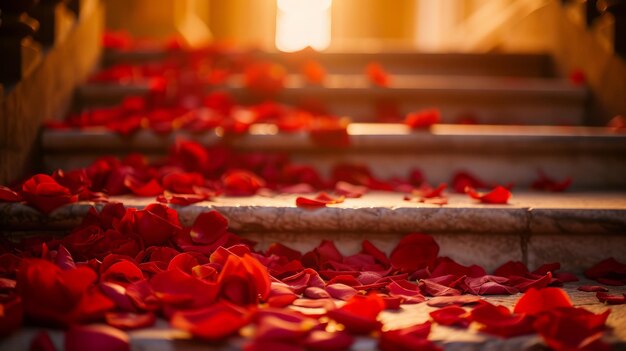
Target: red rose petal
x=461, y=180
x=461, y=300
x=151, y=188
x=319, y=340
x=489, y=285
x=96, y=338
x=498, y=195
x=498, y=320
x=611, y=299
x=543, y=182
x=11, y=315
x=341, y=291
x=408, y=339
x=129, y=320
x=42, y=342
x=413, y=252
x=8, y=195
x=359, y=314
x=377, y=75
x=322, y=199
x=569, y=328
x=350, y=190
x=208, y=227
x=313, y=71
x=537, y=301
x=451, y=316
x=593, y=288
x=423, y=119
x=213, y=323
x=45, y=194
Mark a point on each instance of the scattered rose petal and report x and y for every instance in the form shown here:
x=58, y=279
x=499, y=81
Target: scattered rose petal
x=96, y=338
x=593, y=288
x=451, y=316
x=423, y=119
x=611, y=299
x=213, y=323
x=499, y=195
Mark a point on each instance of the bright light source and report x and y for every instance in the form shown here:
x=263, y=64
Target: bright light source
x=302, y=23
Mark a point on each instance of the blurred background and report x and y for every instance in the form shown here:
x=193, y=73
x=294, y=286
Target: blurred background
x=348, y=25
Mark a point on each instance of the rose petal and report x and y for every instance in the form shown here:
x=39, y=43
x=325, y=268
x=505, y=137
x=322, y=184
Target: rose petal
x=213, y=323
x=611, y=299
x=498, y=195
x=461, y=300
x=537, y=301
x=593, y=288
x=413, y=252
x=96, y=338
x=451, y=316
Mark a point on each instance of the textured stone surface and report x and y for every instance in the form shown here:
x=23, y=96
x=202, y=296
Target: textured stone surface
x=575, y=251
x=163, y=338
x=576, y=229
x=384, y=212
x=591, y=156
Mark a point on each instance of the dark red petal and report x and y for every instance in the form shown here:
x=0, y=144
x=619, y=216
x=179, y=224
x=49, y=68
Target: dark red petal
x=11, y=315
x=423, y=119
x=432, y=288
x=42, y=342
x=593, y=288
x=314, y=292
x=443, y=301
x=151, y=188
x=319, y=340
x=96, y=338
x=498, y=195
x=129, y=320
x=8, y=195
x=212, y=323
x=377, y=74
x=498, y=320
x=341, y=291
x=537, y=301
x=413, y=252
x=359, y=314
x=350, y=190
x=208, y=227
x=451, y=316
x=611, y=299
x=510, y=268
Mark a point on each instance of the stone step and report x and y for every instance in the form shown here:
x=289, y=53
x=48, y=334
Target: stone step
x=576, y=229
x=162, y=337
x=394, y=60
x=593, y=157
x=489, y=100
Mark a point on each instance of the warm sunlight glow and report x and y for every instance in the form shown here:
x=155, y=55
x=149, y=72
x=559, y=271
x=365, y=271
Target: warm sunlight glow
x=302, y=23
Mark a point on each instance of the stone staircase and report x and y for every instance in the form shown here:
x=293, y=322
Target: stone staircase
x=529, y=119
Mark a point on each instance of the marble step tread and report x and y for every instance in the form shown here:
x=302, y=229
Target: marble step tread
x=576, y=229
x=376, y=212
x=161, y=337
x=396, y=60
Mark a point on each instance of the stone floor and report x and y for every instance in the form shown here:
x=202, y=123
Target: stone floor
x=162, y=338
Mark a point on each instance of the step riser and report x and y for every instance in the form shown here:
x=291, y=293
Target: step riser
x=544, y=108
x=588, y=171
x=575, y=253
x=510, y=65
